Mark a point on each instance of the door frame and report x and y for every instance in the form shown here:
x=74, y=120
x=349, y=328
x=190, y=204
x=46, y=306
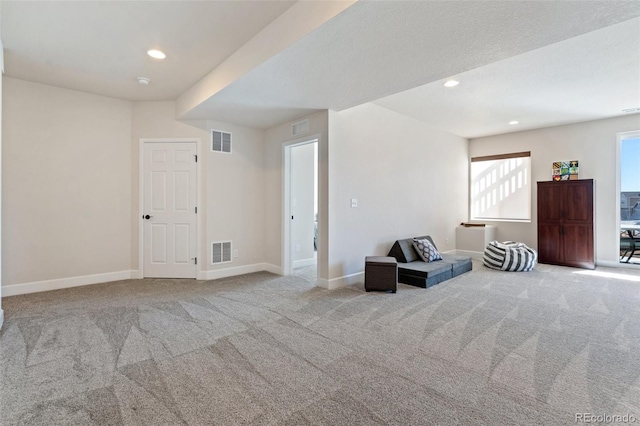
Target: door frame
x=620, y=137
x=287, y=265
x=199, y=217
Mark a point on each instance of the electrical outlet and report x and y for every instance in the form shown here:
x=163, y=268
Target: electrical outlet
x=446, y=242
x=235, y=253
x=298, y=248
x=354, y=202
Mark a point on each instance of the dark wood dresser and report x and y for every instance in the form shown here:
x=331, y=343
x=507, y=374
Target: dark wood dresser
x=566, y=222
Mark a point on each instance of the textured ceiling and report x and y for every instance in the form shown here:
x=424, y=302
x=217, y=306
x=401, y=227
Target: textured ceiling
x=374, y=49
x=100, y=46
x=539, y=62
x=592, y=76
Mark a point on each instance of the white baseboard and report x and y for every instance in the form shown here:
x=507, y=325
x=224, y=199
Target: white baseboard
x=38, y=286
x=304, y=262
x=274, y=269
x=57, y=284
x=1, y=318
x=473, y=254
x=607, y=263
x=238, y=270
x=615, y=264
x=340, y=282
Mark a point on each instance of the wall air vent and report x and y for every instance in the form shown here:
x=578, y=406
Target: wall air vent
x=220, y=141
x=300, y=128
x=220, y=252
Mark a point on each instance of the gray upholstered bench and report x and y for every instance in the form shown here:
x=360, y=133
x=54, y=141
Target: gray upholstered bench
x=413, y=271
x=380, y=273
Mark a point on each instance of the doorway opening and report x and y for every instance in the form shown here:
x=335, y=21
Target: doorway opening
x=301, y=209
x=629, y=194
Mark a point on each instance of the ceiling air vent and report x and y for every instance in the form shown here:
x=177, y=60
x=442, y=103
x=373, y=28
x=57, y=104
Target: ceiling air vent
x=628, y=110
x=220, y=141
x=300, y=128
x=220, y=252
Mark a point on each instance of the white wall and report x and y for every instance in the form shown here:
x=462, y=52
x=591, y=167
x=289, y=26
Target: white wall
x=594, y=145
x=235, y=195
x=66, y=190
x=409, y=178
x=275, y=139
x=231, y=196
x=157, y=120
x=302, y=202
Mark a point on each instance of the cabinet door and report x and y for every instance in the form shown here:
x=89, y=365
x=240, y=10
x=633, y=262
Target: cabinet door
x=550, y=201
x=578, y=246
x=578, y=202
x=550, y=247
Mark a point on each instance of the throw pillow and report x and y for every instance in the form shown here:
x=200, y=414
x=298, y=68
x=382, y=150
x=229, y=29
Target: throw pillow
x=426, y=250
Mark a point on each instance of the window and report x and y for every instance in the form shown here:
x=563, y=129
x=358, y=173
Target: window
x=629, y=143
x=501, y=187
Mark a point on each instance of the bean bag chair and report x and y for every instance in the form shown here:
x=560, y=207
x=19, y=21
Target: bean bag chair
x=509, y=256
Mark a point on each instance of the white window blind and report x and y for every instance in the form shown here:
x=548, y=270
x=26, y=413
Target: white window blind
x=501, y=187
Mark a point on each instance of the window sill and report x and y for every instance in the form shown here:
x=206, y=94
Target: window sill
x=482, y=220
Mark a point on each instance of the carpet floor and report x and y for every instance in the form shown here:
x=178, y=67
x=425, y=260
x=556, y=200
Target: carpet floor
x=487, y=347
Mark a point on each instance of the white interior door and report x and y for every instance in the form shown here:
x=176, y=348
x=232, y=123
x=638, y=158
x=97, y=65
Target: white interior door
x=169, y=214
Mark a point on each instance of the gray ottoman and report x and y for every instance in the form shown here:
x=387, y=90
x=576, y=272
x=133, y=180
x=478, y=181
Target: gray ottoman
x=380, y=273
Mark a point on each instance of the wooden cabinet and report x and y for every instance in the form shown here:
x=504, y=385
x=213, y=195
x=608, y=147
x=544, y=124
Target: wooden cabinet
x=565, y=223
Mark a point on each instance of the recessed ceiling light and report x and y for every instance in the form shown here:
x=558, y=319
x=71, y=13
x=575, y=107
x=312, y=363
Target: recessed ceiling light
x=451, y=83
x=156, y=54
x=144, y=81
x=514, y=122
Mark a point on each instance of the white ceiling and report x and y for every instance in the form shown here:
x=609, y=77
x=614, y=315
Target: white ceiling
x=539, y=62
x=375, y=49
x=100, y=46
x=592, y=76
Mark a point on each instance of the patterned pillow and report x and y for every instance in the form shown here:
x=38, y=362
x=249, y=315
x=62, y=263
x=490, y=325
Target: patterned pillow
x=426, y=250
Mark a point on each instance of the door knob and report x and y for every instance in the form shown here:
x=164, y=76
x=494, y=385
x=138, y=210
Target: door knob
x=147, y=217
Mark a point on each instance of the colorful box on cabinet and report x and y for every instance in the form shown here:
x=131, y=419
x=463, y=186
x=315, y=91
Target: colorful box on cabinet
x=565, y=170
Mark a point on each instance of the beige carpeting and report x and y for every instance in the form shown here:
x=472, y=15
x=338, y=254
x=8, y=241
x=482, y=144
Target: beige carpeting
x=487, y=347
